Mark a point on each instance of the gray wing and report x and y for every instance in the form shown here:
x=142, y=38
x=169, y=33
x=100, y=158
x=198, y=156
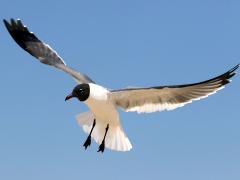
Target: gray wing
x=168, y=97
x=43, y=52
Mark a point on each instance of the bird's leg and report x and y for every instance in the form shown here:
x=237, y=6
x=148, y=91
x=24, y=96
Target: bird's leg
x=102, y=145
x=88, y=140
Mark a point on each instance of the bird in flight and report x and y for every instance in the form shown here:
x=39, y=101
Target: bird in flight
x=102, y=122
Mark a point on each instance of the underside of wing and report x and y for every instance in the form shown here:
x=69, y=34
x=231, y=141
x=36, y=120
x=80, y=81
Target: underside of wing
x=161, y=98
x=43, y=52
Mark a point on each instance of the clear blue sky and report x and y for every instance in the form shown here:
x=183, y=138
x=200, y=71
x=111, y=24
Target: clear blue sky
x=121, y=43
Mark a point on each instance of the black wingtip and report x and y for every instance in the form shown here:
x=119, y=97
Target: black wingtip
x=10, y=25
x=5, y=21
x=231, y=72
x=13, y=24
x=228, y=75
x=7, y=24
x=234, y=68
x=20, y=33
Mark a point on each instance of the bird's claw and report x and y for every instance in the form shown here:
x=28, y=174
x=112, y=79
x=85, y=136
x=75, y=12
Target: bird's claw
x=101, y=147
x=87, y=142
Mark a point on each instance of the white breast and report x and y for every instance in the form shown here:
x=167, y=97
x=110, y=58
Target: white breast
x=105, y=113
x=103, y=109
x=98, y=92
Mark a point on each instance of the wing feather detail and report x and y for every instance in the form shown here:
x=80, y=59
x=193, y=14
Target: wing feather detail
x=43, y=52
x=161, y=98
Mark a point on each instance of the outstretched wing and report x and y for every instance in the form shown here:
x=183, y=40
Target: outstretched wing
x=168, y=97
x=43, y=52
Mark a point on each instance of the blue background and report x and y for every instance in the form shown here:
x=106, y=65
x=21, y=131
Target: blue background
x=121, y=43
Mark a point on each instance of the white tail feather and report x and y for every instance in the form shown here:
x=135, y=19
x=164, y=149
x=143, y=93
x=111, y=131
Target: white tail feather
x=115, y=138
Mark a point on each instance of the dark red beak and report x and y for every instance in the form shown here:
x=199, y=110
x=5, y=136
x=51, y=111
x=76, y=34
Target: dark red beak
x=69, y=97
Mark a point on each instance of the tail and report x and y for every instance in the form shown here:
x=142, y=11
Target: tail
x=115, y=139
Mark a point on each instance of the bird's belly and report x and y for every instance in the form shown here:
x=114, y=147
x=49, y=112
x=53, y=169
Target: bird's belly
x=104, y=111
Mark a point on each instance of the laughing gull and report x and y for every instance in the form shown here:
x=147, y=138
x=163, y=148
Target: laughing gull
x=102, y=122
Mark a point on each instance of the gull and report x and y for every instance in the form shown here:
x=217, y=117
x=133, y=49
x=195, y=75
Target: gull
x=102, y=122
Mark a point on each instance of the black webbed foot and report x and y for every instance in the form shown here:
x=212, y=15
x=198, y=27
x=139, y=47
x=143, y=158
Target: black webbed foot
x=87, y=142
x=102, y=145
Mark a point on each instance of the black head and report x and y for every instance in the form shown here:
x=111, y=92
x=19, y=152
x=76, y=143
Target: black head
x=81, y=91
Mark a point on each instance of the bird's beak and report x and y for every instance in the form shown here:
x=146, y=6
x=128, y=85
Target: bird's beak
x=69, y=97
